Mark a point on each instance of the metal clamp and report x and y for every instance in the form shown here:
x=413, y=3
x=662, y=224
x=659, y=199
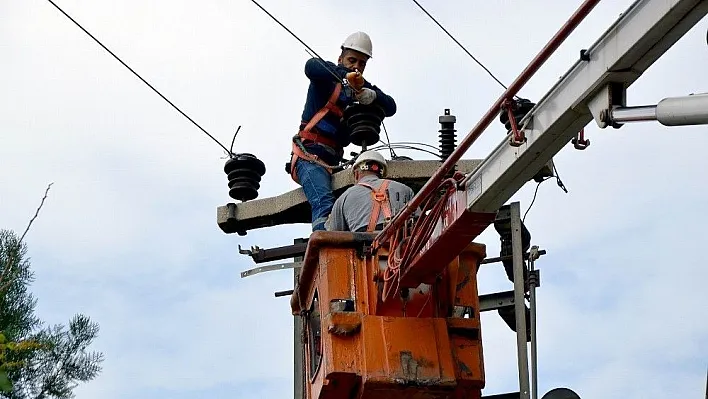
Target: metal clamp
x=580, y=142
x=517, y=138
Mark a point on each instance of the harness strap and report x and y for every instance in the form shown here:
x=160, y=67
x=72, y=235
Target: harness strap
x=306, y=133
x=380, y=202
x=318, y=138
x=331, y=106
x=297, y=152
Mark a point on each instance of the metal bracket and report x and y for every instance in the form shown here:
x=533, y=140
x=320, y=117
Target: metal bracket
x=579, y=141
x=539, y=253
x=260, y=255
x=517, y=137
x=364, y=251
x=610, y=96
x=270, y=268
x=496, y=300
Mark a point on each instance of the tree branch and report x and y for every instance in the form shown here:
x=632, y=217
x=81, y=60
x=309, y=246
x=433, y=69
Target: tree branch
x=6, y=284
x=36, y=213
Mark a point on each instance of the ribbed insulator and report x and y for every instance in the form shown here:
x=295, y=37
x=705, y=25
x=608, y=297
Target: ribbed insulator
x=244, y=172
x=447, y=134
x=364, y=123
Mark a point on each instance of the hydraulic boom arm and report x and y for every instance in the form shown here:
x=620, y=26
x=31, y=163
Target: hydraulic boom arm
x=632, y=44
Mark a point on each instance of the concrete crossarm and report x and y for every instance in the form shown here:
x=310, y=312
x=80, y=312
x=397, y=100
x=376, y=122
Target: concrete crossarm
x=292, y=206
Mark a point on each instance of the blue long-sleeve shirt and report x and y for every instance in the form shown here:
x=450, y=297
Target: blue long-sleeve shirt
x=322, y=84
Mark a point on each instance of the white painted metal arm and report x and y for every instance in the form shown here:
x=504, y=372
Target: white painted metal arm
x=640, y=37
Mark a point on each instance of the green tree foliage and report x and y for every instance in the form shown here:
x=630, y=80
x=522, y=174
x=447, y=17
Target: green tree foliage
x=38, y=361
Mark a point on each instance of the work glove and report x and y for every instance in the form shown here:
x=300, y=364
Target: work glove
x=366, y=96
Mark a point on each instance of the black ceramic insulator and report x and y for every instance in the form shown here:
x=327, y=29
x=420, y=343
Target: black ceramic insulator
x=364, y=123
x=447, y=134
x=244, y=172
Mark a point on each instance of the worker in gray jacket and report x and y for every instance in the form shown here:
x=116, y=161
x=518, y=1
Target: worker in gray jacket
x=372, y=201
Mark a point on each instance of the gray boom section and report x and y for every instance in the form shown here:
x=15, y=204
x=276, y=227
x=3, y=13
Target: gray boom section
x=631, y=45
x=292, y=206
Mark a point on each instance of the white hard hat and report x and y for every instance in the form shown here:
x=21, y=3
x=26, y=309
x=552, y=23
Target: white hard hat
x=358, y=41
x=371, y=156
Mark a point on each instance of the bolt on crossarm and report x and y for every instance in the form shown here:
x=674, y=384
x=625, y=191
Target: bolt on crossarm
x=487, y=119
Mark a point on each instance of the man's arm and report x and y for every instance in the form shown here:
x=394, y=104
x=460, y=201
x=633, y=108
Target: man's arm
x=315, y=70
x=336, y=220
x=384, y=100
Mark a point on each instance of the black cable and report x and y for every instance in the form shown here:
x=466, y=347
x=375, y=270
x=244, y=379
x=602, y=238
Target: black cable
x=558, y=179
x=139, y=77
x=324, y=63
x=387, y=145
x=416, y=143
x=405, y=147
x=388, y=140
x=461, y=46
x=534, y=198
x=233, y=140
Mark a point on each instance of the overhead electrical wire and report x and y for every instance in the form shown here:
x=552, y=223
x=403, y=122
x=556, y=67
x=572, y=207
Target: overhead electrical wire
x=404, y=147
x=416, y=143
x=322, y=61
x=140, y=77
x=555, y=171
x=461, y=46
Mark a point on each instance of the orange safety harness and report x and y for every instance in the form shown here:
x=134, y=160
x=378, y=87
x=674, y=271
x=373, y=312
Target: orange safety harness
x=381, y=202
x=306, y=133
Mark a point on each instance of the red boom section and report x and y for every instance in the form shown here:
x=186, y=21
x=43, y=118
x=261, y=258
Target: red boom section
x=458, y=227
x=454, y=231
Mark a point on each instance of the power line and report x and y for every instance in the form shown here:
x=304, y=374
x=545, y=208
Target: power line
x=416, y=143
x=461, y=46
x=403, y=147
x=140, y=77
x=324, y=63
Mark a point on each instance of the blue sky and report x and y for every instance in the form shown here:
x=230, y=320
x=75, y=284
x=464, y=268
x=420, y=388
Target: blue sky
x=128, y=235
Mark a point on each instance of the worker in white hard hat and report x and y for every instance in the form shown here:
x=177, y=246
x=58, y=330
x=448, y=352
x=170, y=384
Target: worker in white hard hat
x=369, y=204
x=319, y=145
